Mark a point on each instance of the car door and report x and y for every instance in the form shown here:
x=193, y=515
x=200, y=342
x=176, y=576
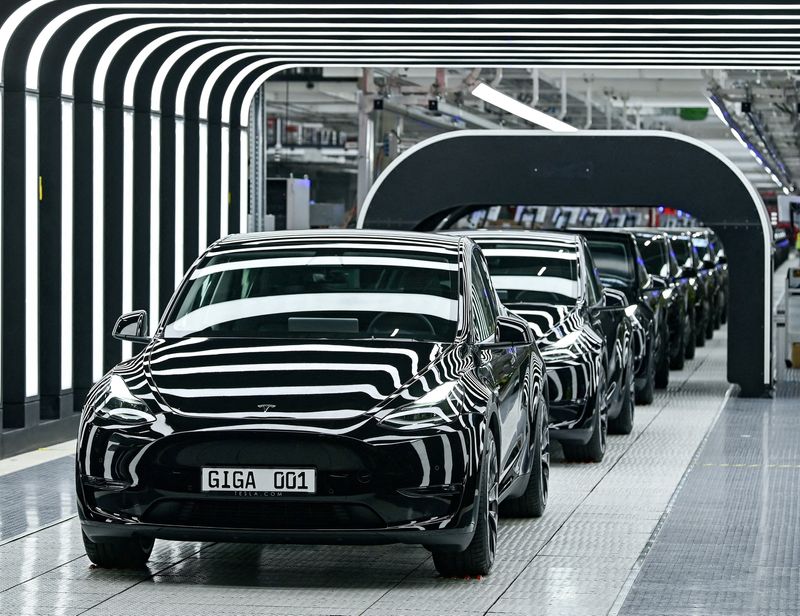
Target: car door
x=607, y=322
x=499, y=367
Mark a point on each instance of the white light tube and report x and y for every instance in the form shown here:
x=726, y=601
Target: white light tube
x=127, y=222
x=179, y=197
x=224, y=171
x=66, y=243
x=717, y=111
x=244, y=160
x=155, y=217
x=98, y=206
x=31, y=177
x=202, y=194
x=513, y=106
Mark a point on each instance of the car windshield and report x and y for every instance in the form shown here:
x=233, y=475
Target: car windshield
x=523, y=272
x=614, y=262
x=703, y=249
x=320, y=292
x=683, y=252
x=656, y=260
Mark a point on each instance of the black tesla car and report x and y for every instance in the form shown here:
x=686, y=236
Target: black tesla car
x=320, y=387
x=621, y=267
x=695, y=280
x=714, y=266
x=661, y=264
x=584, y=335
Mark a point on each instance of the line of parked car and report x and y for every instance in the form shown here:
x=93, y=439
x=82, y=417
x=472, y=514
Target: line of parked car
x=379, y=387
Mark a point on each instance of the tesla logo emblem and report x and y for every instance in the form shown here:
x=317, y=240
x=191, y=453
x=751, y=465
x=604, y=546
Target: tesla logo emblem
x=266, y=407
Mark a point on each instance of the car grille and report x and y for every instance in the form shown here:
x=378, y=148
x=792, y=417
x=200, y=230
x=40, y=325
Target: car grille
x=262, y=515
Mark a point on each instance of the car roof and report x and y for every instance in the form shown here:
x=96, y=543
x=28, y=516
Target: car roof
x=477, y=235
x=648, y=232
x=608, y=231
x=411, y=238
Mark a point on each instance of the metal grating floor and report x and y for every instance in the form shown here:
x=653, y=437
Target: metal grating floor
x=580, y=558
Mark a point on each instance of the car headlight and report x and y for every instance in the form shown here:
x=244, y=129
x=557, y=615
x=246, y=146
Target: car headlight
x=122, y=407
x=435, y=408
x=668, y=293
x=630, y=311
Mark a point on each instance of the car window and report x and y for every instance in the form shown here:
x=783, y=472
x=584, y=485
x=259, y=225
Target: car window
x=320, y=291
x=594, y=288
x=525, y=272
x=654, y=253
x=483, y=315
x=614, y=262
x=683, y=252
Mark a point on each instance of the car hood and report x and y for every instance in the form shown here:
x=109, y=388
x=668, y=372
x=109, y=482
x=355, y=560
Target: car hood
x=282, y=379
x=549, y=322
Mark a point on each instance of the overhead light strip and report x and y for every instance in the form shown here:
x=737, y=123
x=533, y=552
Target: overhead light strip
x=513, y=106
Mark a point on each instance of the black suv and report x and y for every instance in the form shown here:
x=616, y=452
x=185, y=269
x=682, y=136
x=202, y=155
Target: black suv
x=620, y=266
x=661, y=264
x=696, y=282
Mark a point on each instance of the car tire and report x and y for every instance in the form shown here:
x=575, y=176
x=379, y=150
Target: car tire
x=645, y=394
x=662, y=363
x=479, y=556
x=623, y=423
x=119, y=553
x=533, y=501
x=691, y=340
x=676, y=361
x=595, y=449
x=710, y=327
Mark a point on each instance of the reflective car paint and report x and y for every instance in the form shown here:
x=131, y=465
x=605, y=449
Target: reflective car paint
x=330, y=404
x=665, y=268
x=587, y=350
x=648, y=317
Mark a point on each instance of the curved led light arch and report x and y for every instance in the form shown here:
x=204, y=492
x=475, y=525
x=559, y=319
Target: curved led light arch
x=20, y=14
x=766, y=227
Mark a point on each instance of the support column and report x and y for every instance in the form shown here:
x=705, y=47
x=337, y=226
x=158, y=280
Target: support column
x=50, y=258
x=366, y=140
x=13, y=260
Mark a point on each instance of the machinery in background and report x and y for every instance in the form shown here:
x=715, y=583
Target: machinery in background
x=287, y=206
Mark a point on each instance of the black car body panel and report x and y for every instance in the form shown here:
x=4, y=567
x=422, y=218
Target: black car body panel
x=714, y=269
x=621, y=267
x=661, y=264
x=586, y=347
x=693, y=277
x=335, y=402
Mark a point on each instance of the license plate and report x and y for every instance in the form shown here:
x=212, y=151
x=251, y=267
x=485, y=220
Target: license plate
x=259, y=480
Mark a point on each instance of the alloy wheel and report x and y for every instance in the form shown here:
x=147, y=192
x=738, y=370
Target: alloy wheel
x=492, y=488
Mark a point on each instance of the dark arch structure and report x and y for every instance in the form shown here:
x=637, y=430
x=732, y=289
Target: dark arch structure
x=645, y=168
x=133, y=182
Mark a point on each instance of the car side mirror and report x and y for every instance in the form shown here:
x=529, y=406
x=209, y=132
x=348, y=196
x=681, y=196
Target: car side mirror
x=512, y=332
x=509, y=332
x=689, y=271
x=722, y=259
x=659, y=282
x=132, y=327
x=614, y=299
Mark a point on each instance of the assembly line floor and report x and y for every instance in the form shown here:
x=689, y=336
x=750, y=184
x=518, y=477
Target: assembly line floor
x=695, y=512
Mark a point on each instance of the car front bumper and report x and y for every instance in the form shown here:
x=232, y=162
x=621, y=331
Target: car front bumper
x=408, y=488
